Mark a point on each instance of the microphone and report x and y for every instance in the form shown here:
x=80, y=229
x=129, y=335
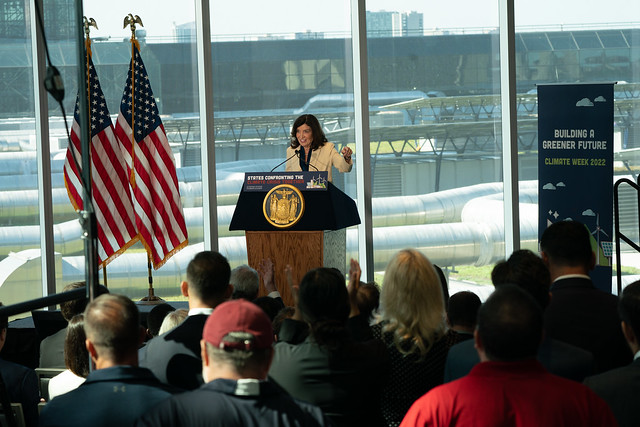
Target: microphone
x=295, y=153
x=317, y=170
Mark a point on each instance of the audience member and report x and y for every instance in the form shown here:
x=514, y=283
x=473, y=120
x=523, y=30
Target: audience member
x=620, y=387
x=270, y=306
x=173, y=319
x=21, y=382
x=245, y=282
x=368, y=300
x=76, y=358
x=237, y=350
x=445, y=286
x=52, y=347
x=156, y=317
x=285, y=313
x=527, y=271
x=579, y=313
x=462, y=312
x=414, y=331
x=509, y=387
x=117, y=392
x=318, y=361
x=174, y=357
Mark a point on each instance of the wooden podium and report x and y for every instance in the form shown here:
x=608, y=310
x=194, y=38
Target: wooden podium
x=318, y=239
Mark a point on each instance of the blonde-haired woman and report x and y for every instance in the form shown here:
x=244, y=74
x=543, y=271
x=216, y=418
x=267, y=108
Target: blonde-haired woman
x=414, y=329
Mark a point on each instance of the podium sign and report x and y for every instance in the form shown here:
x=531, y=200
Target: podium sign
x=312, y=181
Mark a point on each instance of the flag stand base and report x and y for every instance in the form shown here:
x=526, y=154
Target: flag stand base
x=151, y=299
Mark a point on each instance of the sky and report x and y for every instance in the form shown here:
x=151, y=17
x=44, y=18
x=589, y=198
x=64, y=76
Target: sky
x=289, y=16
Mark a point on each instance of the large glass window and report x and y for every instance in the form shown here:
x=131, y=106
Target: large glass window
x=20, y=268
x=435, y=145
x=594, y=44
x=293, y=60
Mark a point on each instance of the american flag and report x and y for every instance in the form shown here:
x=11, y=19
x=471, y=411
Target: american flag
x=109, y=181
x=158, y=209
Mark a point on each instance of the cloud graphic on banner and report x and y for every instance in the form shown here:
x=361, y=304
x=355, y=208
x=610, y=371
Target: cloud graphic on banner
x=588, y=212
x=584, y=102
x=549, y=186
x=600, y=99
x=560, y=184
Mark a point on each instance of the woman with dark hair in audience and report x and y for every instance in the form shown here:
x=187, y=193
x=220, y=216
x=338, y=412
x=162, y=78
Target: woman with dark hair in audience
x=319, y=358
x=414, y=329
x=76, y=358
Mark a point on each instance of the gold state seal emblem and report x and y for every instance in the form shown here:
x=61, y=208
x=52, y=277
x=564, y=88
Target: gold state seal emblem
x=283, y=206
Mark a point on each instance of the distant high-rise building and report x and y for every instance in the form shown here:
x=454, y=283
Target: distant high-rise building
x=412, y=24
x=384, y=24
x=184, y=32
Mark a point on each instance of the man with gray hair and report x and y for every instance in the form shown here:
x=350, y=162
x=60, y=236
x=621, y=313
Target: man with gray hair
x=237, y=350
x=117, y=392
x=245, y=281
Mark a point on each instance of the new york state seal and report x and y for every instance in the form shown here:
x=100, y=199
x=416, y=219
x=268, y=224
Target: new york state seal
x=283, y=206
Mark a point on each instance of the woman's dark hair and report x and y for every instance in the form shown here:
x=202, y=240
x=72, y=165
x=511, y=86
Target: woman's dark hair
x=324, y=304
x=76, y=356
x=318, y=134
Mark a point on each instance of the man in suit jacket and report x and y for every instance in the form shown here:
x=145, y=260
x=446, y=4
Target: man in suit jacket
x=117, y=392
x=174, y=357
x=526, y=270
x=620, y=387
x=579, y=313
x=20, y=382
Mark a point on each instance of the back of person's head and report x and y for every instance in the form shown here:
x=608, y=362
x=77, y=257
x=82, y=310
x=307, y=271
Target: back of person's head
x=526, y=270
x=445, y=286
x=463, y=309
x=238, y=334
x=629, y=307
x=510, y=324
x=323, y=301
x=269, y=305
x=156, y=316
x=245, y=281
x=68, y=309
x=567, y=243
x=112, y=324
x=208, y=276
x=412, y=302
x=76, y=357
x=285, y=313
x=173, y=319
x=368, y=299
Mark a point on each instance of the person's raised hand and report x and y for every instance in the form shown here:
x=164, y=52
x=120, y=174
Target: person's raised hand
x=346, y=153
x=266, y=271
x=352, y=287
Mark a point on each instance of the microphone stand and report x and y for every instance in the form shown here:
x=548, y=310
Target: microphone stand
x=295, y=154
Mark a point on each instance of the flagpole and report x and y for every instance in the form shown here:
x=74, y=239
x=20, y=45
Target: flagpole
x=132, y=20
x=87, y=215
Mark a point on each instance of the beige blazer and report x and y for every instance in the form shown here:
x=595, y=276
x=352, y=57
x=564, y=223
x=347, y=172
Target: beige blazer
x=322, y=158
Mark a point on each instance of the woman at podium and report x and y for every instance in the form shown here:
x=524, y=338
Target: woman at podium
x=310, y=150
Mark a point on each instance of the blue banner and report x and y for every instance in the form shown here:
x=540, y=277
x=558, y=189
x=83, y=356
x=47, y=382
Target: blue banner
x=575, y=164
x=303, y=181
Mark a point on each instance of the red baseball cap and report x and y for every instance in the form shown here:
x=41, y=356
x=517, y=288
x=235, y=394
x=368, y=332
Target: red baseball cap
x=238, y=315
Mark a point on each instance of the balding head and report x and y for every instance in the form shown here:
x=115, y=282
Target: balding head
x=112, y=326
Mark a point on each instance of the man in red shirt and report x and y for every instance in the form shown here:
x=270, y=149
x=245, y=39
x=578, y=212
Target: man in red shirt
x=509, y=387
